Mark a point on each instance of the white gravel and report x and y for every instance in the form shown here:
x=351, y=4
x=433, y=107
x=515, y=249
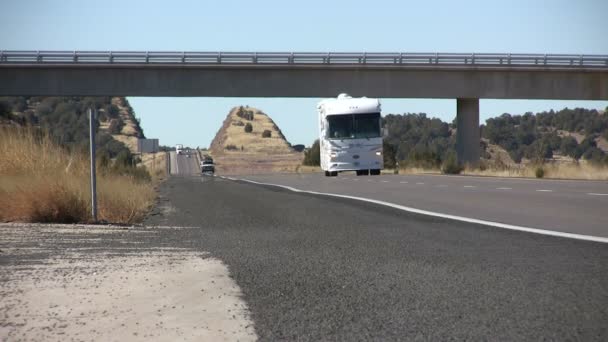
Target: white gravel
x=154, y=295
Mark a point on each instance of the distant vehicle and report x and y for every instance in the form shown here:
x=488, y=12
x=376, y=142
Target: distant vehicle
x=207, y=166
x=350, y=135
x=179, y=148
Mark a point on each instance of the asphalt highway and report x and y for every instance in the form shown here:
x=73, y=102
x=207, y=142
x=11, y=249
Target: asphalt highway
x=565, y=206
x=184, y=164
x=317, y=268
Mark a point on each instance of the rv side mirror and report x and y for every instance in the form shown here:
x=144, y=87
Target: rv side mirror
x=384, y=132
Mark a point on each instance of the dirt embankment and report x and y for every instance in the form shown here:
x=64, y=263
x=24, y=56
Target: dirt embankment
x=249, y=141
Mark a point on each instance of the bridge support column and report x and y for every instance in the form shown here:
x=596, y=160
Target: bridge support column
x=467, y=131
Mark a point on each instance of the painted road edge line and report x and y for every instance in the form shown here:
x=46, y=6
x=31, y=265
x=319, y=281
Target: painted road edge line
x=446, y=216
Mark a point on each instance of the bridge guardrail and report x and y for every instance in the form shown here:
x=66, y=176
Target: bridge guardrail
x=303, y=58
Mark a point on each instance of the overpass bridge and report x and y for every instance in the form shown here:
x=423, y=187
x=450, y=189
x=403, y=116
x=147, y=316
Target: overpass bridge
x=466, y=77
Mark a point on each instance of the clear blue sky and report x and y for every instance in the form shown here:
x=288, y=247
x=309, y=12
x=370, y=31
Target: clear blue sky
x=558, y=26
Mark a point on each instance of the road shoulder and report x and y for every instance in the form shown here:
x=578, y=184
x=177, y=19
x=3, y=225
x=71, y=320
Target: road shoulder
x=61, y=281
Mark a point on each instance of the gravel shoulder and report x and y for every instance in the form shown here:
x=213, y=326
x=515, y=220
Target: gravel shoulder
x=60, y=282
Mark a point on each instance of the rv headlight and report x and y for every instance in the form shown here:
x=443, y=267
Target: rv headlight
x=378, y=153
x=333, y=155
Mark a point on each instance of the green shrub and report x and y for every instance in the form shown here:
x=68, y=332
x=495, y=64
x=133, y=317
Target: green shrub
x=5, y=110
x=539, y=172
x=112, y=111
x=450, y=165
x=389, y=155
x=116, y=126
x=244, y=113
x=312, y=156
x=103, y=160
x=124, y=158
x=248, y=128
x=266, y=134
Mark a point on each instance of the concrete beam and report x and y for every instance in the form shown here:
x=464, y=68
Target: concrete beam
x=467, y=131
x=302, y=81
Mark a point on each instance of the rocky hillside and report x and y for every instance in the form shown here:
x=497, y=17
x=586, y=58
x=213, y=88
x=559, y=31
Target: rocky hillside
x=249, y=130
x=564, y=136
x=66, y=120
x=250, y=142
x=572, y=134
x=129, y=130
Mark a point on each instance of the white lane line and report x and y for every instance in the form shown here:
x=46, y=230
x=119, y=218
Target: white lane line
x=403, y=182
x=441, y=186
x=446, y=216
x=504, y=188
x=470, y=186
x=226, y=177
x=596, y=194
x=420, y=183
x=544, y=190
x=384, y=181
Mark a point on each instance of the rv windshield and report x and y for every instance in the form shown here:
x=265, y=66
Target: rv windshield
x=354, y=126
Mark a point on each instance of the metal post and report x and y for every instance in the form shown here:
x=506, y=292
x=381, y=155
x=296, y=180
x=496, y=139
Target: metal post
x=92, y=115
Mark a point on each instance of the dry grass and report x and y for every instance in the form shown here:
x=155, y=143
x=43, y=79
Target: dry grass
x=41, y=182
x=156, y=164
x=243, y=163
x=417, y=170
x=129, y=141
x=308, y=169
x=582, y=170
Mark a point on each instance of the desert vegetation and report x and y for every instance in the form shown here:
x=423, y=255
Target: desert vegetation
x=569, y=132
x=248, y=128
x=312, y=155
x=414, y=140
x=245, y=113
x=41, y=181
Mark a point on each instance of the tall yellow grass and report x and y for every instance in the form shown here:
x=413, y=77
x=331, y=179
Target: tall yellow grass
x=582, y=170
x=156, y=164
x=41, y=182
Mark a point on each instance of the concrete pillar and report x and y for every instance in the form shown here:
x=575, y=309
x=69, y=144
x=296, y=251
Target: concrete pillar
x=467, y=131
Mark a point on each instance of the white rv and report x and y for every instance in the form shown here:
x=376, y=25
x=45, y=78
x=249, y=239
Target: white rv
x=350, y=135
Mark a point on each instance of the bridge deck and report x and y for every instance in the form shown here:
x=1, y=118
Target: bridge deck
x=466, y=60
